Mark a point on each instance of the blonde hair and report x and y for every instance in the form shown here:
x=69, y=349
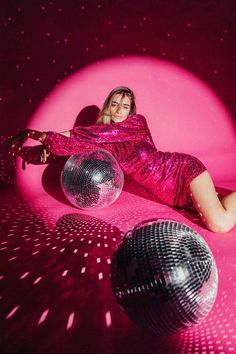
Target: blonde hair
x=104, y=115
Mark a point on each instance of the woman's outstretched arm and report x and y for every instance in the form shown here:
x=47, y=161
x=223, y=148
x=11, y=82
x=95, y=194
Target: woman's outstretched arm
x=19, y=139
x=130, y=129
x=82, y=138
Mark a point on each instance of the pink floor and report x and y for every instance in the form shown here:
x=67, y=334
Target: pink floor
x=55, y=293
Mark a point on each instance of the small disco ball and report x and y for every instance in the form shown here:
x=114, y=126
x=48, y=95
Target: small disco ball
x=92, y=180
x=164, y=276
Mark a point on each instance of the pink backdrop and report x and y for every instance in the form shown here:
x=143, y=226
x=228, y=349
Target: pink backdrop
x=183, y=113
x=58, y=61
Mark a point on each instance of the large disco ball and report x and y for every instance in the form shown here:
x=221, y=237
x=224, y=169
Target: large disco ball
x=164, y=276
x=92, y=180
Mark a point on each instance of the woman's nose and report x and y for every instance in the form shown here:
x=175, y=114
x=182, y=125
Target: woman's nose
x=119, y=109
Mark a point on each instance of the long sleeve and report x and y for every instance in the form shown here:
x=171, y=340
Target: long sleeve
x=130, y=129
x=81, y=138
x=61, y=145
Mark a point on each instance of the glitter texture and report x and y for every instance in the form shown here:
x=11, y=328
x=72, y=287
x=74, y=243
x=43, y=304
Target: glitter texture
x=166, y=175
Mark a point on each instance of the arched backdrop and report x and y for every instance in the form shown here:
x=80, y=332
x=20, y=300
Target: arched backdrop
x=182, y=112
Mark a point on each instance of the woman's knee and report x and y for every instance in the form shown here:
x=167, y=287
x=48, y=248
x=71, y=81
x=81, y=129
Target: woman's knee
x=221, y=224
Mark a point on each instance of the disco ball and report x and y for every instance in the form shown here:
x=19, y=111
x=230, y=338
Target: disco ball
x=92, y=180
x=164, y=276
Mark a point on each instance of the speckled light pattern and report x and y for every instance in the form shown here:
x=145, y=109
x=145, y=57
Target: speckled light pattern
x=55, y=284
x=40, y=310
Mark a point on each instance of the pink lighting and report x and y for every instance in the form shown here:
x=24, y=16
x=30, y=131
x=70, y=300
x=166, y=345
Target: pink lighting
x=12, y=312
x=59, y=60
x=43, y=316
x=183, y=114
x=70, y=321
x=23, y=276
x=108, y=319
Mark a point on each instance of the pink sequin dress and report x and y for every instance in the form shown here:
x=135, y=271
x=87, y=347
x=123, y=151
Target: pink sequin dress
x=166, y=175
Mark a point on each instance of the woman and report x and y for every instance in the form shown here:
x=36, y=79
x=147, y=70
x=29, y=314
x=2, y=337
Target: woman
x=176, y=179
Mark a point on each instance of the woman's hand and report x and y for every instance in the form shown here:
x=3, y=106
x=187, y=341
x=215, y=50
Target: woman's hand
x=17, y=141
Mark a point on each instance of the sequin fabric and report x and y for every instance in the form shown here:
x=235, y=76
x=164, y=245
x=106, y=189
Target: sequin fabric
x=167, y=175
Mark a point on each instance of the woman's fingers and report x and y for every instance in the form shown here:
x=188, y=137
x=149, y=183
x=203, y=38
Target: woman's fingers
x=44, y=156
x=19, y=139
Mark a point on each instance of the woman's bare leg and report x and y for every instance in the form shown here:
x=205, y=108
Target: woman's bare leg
x=219, y=216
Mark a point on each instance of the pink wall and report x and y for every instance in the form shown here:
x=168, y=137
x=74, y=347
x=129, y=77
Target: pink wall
x=43, y=43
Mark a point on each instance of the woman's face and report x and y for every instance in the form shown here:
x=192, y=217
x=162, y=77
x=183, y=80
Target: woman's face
x=119, y=108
